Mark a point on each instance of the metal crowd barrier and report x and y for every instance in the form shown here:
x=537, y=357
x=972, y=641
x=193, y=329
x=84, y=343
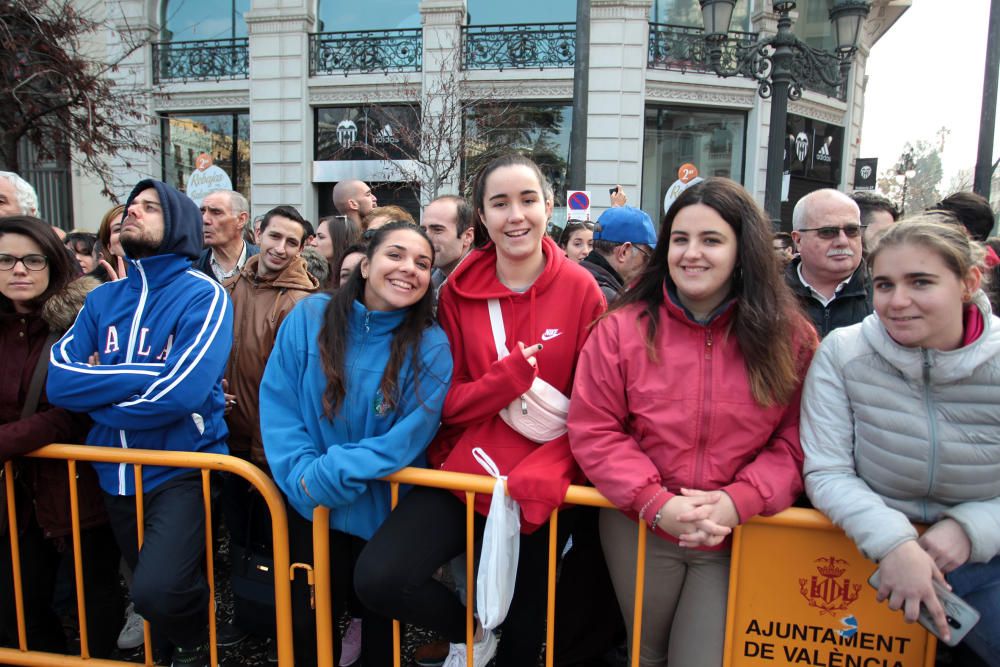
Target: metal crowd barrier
x=206, y=463
x=812, y=614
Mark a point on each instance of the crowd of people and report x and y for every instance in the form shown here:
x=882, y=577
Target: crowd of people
x=711, y=371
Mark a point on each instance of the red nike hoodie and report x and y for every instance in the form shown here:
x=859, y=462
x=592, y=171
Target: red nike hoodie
x=556, y=311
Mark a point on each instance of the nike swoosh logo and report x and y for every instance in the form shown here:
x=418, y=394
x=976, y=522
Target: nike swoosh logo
x=549, y=335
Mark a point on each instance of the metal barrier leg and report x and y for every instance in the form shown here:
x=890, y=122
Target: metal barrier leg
x=206, y=494
x=550, y=609
x=640, y=580
x=81, y=603
x=397, y=651
x=15, y=554
x=470, y=576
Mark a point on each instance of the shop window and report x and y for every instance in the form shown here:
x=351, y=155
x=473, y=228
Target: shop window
x=224, y=137
x=712, y=141
x=539, y=131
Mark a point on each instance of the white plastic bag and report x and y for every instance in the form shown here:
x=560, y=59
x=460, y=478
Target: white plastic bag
x=501, y=547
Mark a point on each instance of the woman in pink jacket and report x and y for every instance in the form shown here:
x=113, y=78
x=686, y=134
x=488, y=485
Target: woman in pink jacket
x=685, y=414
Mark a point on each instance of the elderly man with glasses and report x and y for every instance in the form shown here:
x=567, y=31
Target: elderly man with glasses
x=828, y=276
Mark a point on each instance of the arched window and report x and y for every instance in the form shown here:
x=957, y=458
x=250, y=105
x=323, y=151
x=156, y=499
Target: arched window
x=185, y=20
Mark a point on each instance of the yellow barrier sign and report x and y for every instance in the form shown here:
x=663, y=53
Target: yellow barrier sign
x=799, y=595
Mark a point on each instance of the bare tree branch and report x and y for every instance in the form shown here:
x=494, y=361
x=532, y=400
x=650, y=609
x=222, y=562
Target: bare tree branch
x=60, y=98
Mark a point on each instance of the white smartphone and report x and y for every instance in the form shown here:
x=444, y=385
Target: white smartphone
x=961, y=616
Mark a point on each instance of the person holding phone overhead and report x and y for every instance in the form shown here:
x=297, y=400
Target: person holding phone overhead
x=900, y=424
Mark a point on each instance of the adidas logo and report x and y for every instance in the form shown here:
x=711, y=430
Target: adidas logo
x=823, y=154
x=385, y=136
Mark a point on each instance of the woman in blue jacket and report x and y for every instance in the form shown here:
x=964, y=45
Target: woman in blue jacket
x=352, y=392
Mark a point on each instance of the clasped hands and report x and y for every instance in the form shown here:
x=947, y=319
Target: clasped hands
x=699, y=518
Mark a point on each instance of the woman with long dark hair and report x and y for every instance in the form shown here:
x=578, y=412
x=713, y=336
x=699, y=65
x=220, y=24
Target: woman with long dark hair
x=577, y=240
x=900, y=424
x=685, y=414
x=352, y=392
x=334, y=234
x=39, y=300
x=517, y=282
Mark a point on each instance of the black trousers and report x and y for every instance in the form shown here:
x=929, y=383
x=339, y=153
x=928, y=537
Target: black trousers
x=427, y=529
x=376, y=636
x=41, y=560
x=168, y=581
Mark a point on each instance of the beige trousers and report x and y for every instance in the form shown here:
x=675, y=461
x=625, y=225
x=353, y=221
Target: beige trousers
x=684, y=598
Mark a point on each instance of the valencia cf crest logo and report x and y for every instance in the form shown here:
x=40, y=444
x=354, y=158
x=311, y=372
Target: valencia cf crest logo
x=829, y=591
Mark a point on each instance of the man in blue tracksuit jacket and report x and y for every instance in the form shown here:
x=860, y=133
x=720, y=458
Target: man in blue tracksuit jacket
x=145, y=358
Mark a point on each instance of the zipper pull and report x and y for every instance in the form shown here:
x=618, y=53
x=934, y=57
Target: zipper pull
x=708, y=344
x=524, y=405
x=368, y=322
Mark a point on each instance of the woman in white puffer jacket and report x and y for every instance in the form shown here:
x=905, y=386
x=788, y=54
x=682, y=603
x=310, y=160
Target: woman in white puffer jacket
x=901, y=424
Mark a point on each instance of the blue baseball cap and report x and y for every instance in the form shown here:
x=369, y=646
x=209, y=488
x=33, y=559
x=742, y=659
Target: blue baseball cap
x=622, y=224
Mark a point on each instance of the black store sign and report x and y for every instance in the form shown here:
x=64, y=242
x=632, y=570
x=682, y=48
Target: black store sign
x=815, y=149
x=367, y=133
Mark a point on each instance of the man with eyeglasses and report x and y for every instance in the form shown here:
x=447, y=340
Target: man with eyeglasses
x=827, y=276
x=624, y=239
x=145, y=359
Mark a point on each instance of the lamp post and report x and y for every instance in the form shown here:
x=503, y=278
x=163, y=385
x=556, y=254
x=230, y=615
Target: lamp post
x=782, y=64
x=905, y=170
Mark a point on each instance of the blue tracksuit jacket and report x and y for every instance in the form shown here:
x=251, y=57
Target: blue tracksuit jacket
x=339, y=461
x=163, y=335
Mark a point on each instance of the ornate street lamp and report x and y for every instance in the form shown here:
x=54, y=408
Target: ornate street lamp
x=905, y=170
x=782, y=64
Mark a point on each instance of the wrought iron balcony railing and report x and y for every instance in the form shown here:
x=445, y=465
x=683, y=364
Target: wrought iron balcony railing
x=500, y=47
x=202, y=60
x=368, y=51
x=683, y=48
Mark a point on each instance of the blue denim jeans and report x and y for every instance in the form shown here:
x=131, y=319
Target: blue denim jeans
x=979, y=585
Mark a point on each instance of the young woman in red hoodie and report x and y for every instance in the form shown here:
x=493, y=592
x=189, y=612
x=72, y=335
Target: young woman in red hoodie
x=685, y=414
x=547, y=303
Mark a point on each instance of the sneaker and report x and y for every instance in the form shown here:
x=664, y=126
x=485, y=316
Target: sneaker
x=482, y=652
x=197, y=656
x=228, y=634
x=350, y=645
x=432, y=654
x=131, y=635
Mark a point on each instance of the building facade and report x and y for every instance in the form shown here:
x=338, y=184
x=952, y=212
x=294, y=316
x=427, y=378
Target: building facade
x=290, y=96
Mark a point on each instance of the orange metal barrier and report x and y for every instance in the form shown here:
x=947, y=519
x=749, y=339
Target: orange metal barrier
x=772, y=583
x=206, y=463
x=764, y=550
x=799, y=594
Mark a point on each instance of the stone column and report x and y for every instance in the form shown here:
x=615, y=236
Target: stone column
x=440, y=92
x=130, y=24
x=619, y=39
x=281, y=121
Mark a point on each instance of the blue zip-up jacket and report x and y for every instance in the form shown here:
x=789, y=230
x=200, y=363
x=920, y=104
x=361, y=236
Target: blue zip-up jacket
x=163, y=336
x=316, y=461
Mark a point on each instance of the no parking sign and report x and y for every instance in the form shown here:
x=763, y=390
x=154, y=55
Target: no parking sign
x=578, y=205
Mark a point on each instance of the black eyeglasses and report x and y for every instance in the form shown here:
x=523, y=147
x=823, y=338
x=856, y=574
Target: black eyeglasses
x=646, y=252
x=31, y=262
x=830, y=233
